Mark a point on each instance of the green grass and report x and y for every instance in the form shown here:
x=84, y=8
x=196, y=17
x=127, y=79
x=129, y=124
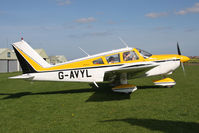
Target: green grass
x=61, y=107
x=194, y=60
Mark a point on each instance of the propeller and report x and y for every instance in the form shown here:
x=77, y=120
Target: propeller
x=181, y=63
x=178, y=48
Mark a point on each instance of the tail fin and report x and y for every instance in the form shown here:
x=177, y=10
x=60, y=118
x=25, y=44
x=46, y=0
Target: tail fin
x=30, y=61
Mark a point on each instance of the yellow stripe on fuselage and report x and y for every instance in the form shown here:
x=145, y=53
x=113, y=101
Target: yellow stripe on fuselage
x=89, y=62
x=164, y=57
x=78, y=64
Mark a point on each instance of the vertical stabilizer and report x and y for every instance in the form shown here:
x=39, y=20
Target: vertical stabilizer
x=28, y=58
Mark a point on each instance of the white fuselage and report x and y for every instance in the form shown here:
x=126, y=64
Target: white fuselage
x=96, y=74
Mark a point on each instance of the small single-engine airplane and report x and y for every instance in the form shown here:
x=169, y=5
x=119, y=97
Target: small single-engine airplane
x=117, y=66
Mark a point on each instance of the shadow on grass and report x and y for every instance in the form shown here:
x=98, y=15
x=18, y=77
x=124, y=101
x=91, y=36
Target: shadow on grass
x=166, y=126
x=21, y=94
x=103, y=93
x=150, y=87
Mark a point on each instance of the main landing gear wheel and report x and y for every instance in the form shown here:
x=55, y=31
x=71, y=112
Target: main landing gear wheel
x=124, y=87
x=128, y=89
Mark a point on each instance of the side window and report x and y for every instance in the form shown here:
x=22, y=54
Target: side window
x=98, y=61
x=113, y=58
x=129, y=56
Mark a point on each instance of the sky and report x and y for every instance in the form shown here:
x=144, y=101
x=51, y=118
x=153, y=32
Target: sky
x=61, y=26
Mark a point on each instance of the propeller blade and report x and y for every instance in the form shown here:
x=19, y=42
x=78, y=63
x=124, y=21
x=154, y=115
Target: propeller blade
x=178, y=48
x=182, y=65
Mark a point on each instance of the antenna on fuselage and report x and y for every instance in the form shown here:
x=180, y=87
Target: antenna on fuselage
x=123, y=42
x=84, y=51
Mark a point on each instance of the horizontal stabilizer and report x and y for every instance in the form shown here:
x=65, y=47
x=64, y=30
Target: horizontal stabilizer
x=24, y=76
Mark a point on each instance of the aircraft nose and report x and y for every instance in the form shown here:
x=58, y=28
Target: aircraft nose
x=184, y=58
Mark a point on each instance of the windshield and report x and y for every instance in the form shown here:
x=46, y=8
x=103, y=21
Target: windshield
x=144, y=53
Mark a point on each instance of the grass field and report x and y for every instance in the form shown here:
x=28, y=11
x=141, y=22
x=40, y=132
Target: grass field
x=194, y=60
x=62, y=107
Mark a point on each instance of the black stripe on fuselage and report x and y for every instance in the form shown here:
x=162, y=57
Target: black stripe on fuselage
x=81, y=68
x=166, y=60
x=138, y=65
x=97, y=67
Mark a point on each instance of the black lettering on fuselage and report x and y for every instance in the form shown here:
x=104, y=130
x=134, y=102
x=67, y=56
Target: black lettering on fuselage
x=82, y=72
x=61, y=75
x=72, y=74
x=87, y=75
x=76, y=73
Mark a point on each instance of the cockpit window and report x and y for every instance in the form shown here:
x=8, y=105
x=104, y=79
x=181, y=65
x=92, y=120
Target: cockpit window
x=144, y=53
x=129, y=56
x=98, y=61
x=113, y=58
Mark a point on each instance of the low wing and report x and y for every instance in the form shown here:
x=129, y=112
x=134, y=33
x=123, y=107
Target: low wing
x=133, y=71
